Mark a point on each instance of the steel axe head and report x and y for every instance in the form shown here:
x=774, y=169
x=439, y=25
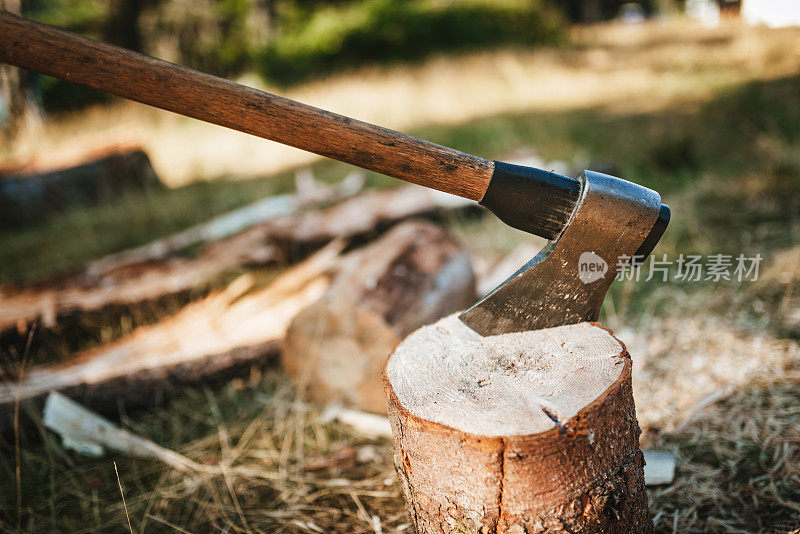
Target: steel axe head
x=613, y=222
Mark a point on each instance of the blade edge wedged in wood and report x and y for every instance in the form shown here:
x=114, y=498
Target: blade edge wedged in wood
x=611, y=219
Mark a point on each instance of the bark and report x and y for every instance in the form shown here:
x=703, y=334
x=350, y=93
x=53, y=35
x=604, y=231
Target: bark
x=337, y=348
x=519, y=433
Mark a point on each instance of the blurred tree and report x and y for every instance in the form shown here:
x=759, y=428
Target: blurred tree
x=597, y=10
x=215, y=36
x=122, y=24
x=315, y=41
x=13, y=95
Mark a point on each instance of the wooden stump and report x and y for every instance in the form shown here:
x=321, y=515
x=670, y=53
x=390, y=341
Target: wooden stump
x=520, y=433
x=336, y=349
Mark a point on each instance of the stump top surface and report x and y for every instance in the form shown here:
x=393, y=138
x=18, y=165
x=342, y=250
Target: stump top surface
x=512, y=384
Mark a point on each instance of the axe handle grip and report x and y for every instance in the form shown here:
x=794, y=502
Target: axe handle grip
x=185, y=91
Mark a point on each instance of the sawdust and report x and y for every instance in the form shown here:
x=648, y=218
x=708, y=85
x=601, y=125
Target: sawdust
x=684, y=365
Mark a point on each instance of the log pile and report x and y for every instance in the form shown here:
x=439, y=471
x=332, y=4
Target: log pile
x=130, y=278
x=233, y=329
x=215, y=337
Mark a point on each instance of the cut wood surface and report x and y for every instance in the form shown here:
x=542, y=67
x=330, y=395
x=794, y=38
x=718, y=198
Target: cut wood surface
x=118, y=281
x=229, y=329
x=337, y=348
x=525, y=432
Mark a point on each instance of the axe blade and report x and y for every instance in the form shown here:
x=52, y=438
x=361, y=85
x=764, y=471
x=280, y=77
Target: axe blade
x=613, y=221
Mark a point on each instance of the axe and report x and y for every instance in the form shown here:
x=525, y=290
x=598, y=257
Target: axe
x=595, y=223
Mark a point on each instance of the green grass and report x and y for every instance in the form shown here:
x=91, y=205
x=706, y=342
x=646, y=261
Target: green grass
x=337, y=36
x=67, y=239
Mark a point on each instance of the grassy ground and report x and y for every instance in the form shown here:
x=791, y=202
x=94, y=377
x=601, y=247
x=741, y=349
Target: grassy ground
x=718, y=364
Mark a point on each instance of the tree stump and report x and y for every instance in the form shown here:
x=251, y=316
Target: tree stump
x=519, y=433
x=337, y=348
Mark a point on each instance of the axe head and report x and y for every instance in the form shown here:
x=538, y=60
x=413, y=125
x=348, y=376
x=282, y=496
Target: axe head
x=613, y=222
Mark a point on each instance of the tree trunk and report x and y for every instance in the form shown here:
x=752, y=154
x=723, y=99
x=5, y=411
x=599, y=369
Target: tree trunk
x=520, y=433
x=12, y=89
x=337, y=348
x=122, y=26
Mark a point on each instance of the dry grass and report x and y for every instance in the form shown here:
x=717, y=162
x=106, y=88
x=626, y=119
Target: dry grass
x=271, y=465
x=738, y=464
x=684, y=365
x=278, y=468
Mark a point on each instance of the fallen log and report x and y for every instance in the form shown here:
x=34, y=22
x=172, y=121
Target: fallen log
x=526, y=432
x=230, y=330
x=29, y=192
x=337, y=348
x=215, y=337
x=119, y=281
x=361, y=217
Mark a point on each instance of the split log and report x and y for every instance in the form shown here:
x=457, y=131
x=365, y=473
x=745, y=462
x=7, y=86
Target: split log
x=221, y=335
x=361, y=218
x=525, y=432
x=337, y=348
x=120, y=281
x=216, y=337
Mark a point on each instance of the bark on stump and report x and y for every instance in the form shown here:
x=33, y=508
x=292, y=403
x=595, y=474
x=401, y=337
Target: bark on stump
x=337, y=348
x=519, y=433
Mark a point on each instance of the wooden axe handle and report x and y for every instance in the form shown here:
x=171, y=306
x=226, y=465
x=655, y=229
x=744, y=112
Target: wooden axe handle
x=164, y=85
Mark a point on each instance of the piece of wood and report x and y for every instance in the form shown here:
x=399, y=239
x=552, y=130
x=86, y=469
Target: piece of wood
x=215, y=337
x=337, y=348
x=123, y=280
x=361, y=217
x=659, y=468
x=27, y=193
x=369, y=425
x=525, y=432
x=89, y=434
x=201, y=96
x=225, y=333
